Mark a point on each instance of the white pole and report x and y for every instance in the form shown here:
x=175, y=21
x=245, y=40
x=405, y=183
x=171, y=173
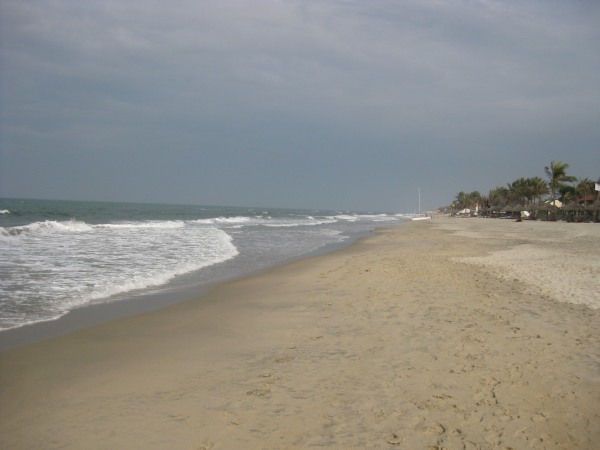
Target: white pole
x=419, y=191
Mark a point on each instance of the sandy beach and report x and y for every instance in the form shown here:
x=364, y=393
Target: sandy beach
x=456, y=334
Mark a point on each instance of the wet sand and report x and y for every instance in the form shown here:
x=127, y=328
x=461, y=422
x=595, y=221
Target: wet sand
x=431, y=335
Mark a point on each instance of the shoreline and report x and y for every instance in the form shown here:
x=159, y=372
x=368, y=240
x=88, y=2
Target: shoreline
x=155, y=299
x=396, y=341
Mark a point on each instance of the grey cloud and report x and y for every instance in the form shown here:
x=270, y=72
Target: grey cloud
x=352, y=103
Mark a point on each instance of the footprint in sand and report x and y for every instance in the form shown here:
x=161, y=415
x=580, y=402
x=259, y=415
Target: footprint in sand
x=284, y=359
x=434, y=429
x=206, y=445
x=260, y=392
x=538, y=417
x=178, y=417
x=394, y=439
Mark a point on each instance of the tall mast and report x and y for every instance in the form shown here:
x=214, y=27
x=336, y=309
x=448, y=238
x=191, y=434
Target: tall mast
x=419, y=192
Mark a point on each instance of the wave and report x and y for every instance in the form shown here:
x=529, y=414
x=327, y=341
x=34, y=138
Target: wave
x=346, y=217
x=75, y=226
x=100, y=265
x=223, y=220
x=239, y=222
x=238, y=219
x=267, y=221
x=47, y=226
x=378, y=217
x=164, y=224
x=223, y=251
x=383, y=217
x=308, y=223
x=4, y=211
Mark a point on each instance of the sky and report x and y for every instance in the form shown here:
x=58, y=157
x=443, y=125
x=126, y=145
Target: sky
x=304, y=104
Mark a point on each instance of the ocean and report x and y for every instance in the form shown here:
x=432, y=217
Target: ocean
x=61, y=255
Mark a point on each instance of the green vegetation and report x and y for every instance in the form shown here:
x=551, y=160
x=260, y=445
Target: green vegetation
x=576, y=201
x=557, y=176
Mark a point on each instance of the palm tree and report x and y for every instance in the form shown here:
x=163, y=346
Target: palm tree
x=498, y=197
x=585, y=189
x=568, y=194
x=475, y=199
x=461, y=200
x=467, y=199
x=538, y=188
x=519, y=192
x=557, y=174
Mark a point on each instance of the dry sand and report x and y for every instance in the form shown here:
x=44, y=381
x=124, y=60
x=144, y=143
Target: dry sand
x=440, y=335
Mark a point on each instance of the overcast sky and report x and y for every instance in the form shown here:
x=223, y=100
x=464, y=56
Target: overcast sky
x=318, y=104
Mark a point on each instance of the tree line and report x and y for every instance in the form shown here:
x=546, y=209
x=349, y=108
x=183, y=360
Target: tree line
x=532, y=192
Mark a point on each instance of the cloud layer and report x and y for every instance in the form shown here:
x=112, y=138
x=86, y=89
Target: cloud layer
x=340, y=104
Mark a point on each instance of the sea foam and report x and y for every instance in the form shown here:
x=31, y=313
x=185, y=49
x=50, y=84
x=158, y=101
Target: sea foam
x=51, y=267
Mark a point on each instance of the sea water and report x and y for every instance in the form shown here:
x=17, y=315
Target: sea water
x=60, y=255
